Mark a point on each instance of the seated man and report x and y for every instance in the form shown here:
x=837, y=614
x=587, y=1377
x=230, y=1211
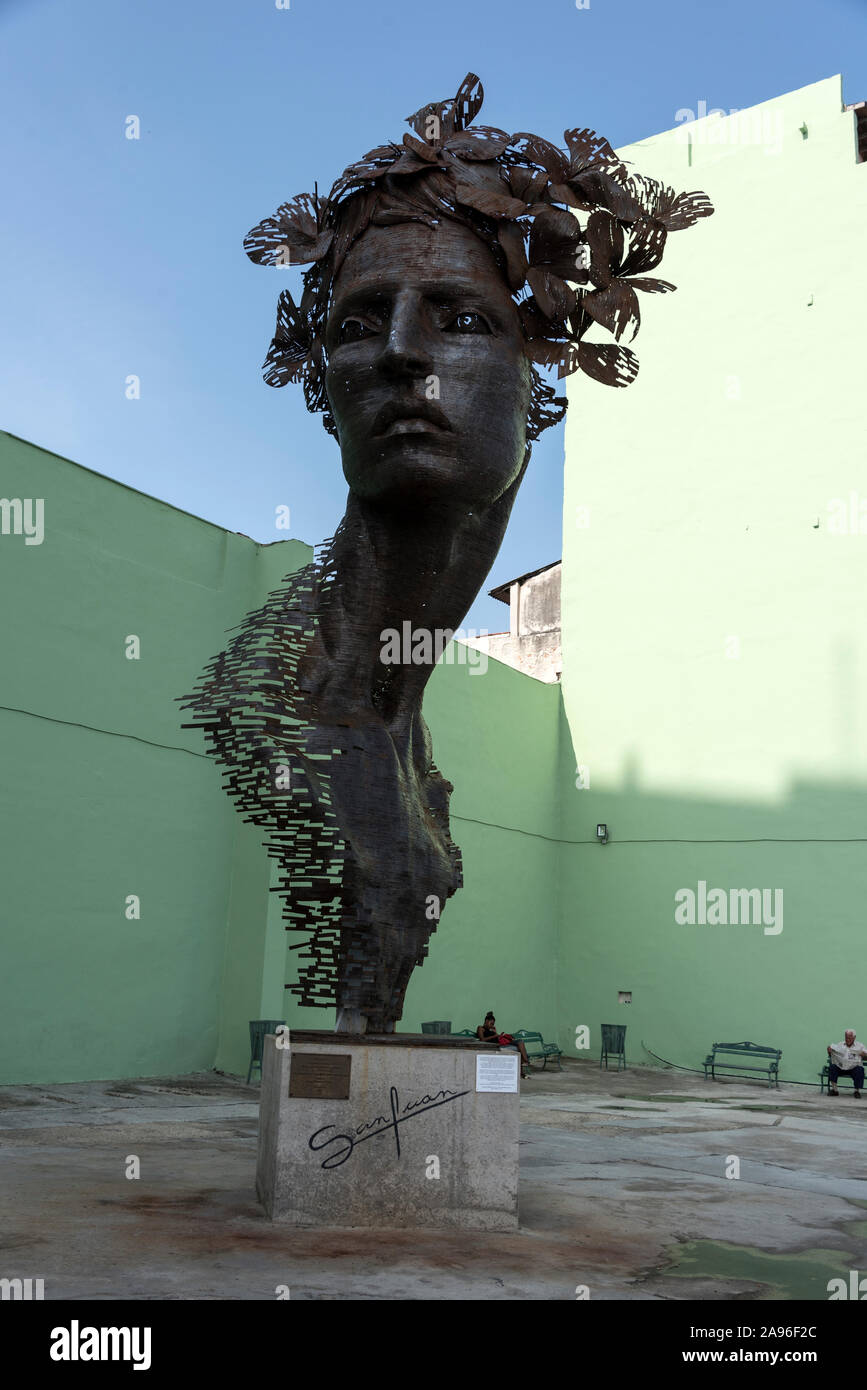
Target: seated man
x=846, y=1059
x=488, y=1032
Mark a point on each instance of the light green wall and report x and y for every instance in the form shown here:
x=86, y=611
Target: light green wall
x=496, y=737
x=104, y=795
x=708, y=485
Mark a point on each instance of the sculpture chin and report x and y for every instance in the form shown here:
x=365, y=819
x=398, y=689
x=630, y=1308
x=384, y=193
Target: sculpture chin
x=409, y=471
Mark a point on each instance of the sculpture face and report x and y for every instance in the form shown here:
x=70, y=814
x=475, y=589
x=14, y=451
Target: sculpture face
x=427, y=379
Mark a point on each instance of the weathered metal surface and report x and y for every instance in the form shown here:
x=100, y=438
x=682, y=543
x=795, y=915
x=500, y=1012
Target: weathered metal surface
x=444, y=271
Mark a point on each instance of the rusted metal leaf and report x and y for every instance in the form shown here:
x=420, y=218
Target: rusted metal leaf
x=615, y=307
x=608, y=363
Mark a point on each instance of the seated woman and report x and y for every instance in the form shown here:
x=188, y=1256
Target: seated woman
x=488, y=1032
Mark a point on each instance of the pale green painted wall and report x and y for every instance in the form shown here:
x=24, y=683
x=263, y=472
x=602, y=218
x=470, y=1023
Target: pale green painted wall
x=496, y=737
x=708, y=483
x=129, y=803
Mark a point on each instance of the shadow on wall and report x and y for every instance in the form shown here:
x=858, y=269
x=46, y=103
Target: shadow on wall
x=723, y=920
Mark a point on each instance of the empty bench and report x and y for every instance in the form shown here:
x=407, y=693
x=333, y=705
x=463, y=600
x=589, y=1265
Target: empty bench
x=742, y=1059
x=535, y=1048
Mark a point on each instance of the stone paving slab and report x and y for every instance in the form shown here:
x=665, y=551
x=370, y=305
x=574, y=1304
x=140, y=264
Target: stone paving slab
x=623, y=1189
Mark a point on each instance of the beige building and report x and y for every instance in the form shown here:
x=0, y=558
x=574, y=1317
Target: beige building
x=532, y=644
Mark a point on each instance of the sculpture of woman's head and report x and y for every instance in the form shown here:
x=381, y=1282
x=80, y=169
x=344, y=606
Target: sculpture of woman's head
x=427, y=380
x=445, y=271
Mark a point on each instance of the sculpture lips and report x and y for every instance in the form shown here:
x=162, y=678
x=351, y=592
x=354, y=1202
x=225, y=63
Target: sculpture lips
x=396, y=411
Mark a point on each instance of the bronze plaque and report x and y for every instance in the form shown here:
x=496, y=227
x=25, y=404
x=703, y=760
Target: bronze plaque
x=320, y=1075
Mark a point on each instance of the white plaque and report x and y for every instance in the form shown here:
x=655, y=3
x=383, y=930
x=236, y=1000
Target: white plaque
x=494, y=1072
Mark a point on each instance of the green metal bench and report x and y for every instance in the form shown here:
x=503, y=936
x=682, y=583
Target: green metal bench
x=533, y=1044
x=764, y=1059
x=825, y=1078
x=259, y=1028
x=535, y=1047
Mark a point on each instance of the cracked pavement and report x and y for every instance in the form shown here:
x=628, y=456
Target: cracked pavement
x=623, y=1190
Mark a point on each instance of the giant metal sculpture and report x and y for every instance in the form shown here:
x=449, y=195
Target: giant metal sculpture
x=442, y=269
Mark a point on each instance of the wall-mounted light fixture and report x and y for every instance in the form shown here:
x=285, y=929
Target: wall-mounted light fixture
x=602, y=834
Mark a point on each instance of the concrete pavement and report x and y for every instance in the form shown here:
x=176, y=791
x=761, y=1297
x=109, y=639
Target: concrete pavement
x=623, y=1191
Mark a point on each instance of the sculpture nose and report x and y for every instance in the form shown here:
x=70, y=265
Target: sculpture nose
x=406, y=351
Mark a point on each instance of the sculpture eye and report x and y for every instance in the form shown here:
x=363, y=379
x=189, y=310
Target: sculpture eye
x=353, y=330
x=468, y=323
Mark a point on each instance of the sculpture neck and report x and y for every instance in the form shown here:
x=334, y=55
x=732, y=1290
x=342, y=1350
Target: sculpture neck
x=401, y=573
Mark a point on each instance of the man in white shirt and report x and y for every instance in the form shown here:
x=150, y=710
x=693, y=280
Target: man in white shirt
x=846, y=1059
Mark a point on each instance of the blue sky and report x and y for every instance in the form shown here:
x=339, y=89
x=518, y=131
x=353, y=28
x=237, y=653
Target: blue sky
x=122, y=257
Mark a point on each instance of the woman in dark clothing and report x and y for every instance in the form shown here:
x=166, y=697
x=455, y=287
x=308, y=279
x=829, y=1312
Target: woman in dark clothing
x=488, y=1032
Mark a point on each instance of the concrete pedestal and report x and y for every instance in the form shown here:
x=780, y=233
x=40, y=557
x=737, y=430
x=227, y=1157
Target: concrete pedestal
x=404, y=1137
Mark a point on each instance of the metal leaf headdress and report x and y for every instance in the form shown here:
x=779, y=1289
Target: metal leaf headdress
x=565, y=273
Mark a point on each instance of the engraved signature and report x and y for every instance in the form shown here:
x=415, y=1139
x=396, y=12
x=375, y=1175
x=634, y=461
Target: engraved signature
x=379, y=1125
